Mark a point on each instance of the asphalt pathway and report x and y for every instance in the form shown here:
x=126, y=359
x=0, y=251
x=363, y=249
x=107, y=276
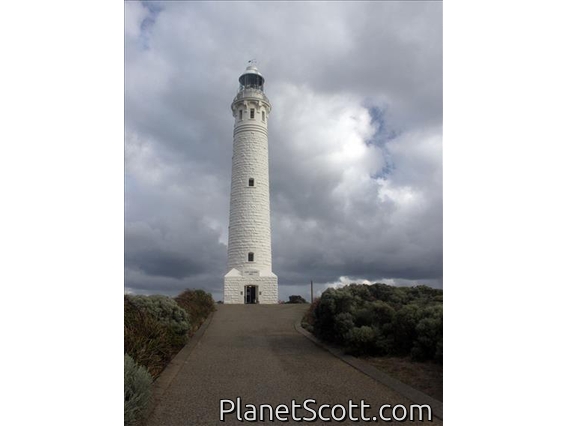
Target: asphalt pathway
x=254, y=352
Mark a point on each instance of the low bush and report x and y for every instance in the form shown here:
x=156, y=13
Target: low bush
x=361, y=340
x=156, y=327
x=380, y=319
x=150, y=341
x=342, y=325
x=429, y=336
x=137, y=382
x=296, y=299
x=405, y=321
x=198, y=304
x=309, y=318
x=165, y=310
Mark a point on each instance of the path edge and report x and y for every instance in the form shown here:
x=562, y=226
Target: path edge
x=374, y=373
x=162, y=383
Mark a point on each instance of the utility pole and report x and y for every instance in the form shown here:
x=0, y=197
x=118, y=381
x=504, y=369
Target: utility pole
x=312, y=287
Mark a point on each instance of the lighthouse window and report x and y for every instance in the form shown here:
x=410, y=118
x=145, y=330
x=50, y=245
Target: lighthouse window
x=252, y=114
x=251, y=182
x=240, y=114
x=251, y=257
x=262, y=115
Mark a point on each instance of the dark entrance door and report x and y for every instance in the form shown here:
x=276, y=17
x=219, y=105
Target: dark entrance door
x=251, y=294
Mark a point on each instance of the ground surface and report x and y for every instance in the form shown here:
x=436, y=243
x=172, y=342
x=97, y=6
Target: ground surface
x=426, y=377
x=254, y=352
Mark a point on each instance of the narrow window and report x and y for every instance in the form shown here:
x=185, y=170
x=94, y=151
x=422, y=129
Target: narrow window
x=240, y=114
x=252, y=114
x=262, y=115
x=251, y=182
x=251, y=257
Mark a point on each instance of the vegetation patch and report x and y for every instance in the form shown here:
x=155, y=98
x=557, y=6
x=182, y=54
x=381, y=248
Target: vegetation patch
x=137, y=382
x=296, y=299
x=198, y=305
x=381, y=320
x=155, y=329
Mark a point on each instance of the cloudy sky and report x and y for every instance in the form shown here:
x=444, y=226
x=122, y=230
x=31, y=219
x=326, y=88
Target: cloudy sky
x=355, y=140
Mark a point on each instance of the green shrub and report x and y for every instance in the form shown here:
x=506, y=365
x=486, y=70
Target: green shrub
x=429, y=336
x=381, y=319
x=439, y=354
x=384, y=342
x=360, y=292
x=378, y=317
x=137, y=382
x=382, y=292
x=361, y=340
x=309, y=317
x=382, y=312
x=165, y=310
x=297, y=299
x=363, y=315
x=324, y=316
x=150, y=342
x=405, y=321
x=198, y=304
x=343, y=324
x=345, y=299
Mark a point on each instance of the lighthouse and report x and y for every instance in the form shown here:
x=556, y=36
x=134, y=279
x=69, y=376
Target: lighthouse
x=250, y=278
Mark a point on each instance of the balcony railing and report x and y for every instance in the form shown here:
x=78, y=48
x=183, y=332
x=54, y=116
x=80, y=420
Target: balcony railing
x=245, y=92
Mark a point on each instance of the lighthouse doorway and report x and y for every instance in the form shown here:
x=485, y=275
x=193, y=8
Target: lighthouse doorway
x=251, y=294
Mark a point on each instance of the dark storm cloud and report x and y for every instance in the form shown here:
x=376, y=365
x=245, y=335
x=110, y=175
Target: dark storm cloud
x=354, y=139
x=164, y=263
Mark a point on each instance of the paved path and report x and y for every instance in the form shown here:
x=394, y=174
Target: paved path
x=254, y=352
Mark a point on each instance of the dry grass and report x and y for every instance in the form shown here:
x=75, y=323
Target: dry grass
x=426, y=377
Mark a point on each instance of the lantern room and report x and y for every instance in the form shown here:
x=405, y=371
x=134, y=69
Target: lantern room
x=251, y=79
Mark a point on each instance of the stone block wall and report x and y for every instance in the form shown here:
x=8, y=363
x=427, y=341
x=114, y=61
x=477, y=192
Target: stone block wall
x=235, y=289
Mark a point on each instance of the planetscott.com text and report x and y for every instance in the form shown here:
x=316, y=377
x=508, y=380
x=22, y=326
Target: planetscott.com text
x=310, y=411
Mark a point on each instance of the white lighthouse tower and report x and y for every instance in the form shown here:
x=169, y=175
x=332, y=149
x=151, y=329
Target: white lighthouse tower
x=249, y=278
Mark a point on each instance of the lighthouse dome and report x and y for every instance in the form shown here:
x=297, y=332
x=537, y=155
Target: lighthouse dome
x=252, y=79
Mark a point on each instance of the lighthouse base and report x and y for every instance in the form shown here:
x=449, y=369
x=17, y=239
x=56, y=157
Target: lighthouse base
x=250, y=287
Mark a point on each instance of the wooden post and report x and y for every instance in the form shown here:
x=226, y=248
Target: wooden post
x=312, y=288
